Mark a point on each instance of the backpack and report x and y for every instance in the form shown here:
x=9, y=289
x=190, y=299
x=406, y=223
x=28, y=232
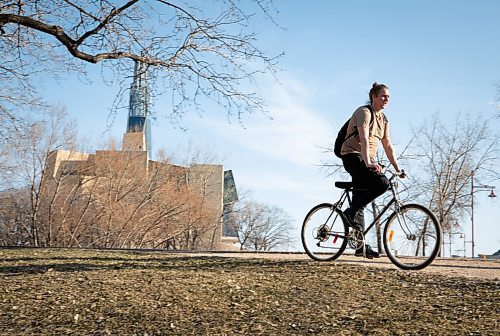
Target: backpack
x=342, y=136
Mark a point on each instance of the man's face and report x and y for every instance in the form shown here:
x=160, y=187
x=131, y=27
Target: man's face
x=380, y=102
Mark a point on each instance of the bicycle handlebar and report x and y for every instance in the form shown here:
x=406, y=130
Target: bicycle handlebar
x=402, y=174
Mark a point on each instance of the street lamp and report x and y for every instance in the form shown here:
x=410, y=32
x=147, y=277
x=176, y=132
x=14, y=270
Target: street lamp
x=464, y=249
x=474, y=188
x=450, y=239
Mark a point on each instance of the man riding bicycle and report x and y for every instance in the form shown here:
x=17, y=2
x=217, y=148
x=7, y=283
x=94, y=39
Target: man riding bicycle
x=367, y=127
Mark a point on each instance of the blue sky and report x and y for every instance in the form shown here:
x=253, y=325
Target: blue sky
x=435, y=56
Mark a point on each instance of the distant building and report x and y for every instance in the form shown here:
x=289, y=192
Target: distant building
x=215, y=187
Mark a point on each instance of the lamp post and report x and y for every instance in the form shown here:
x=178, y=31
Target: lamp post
x=450, y=241
x=464, y=250
x=474, y=188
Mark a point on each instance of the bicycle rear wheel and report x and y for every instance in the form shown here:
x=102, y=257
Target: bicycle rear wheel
x=412, y=237
x=324, y=234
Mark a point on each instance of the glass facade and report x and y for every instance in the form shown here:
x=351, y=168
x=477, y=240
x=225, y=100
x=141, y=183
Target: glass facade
x=138, y=115
x=229, y=228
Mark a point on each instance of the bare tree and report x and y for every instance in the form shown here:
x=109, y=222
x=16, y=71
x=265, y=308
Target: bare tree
x=15, y=217
x=53, y=197
x=261, y=227
x=67, y=208
x=28, y=151
x=194, y=50
x=120, y=199
x=445, y=156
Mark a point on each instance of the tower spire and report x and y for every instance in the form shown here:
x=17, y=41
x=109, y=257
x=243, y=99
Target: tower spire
x=138, y=135
x=139, y=95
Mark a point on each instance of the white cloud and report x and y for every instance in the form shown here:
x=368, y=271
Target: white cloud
x=294, y=132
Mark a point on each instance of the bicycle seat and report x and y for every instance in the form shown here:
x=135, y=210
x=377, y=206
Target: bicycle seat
x=344, y=185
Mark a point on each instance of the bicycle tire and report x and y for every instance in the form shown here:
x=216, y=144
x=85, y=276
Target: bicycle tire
x=324, y=233
x=412, y=237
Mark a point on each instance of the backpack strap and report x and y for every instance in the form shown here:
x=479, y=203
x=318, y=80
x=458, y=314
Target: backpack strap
x=372, y=116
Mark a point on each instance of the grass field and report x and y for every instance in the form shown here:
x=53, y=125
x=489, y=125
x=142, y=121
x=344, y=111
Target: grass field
x=91, y=292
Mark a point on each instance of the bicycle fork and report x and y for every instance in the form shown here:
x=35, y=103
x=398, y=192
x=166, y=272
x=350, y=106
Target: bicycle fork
x=401, y=219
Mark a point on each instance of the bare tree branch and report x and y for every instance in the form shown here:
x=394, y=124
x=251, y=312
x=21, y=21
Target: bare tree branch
x=192, y=55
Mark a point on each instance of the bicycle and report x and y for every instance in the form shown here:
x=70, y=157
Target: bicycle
x=412, y=235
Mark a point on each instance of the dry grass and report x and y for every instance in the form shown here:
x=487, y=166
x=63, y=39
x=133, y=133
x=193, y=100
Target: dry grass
x=89, y=292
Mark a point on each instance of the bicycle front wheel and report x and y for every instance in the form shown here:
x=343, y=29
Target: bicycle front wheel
x=324, y=234
x=412, y=237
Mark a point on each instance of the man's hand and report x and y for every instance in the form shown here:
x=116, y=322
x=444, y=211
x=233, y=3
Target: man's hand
x=375, y=166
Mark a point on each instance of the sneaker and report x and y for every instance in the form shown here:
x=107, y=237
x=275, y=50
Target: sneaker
x=352, y=221
x=370, y=253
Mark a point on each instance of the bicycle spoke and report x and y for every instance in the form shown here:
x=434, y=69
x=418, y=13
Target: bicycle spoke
x=324, y=233
x=412, y=238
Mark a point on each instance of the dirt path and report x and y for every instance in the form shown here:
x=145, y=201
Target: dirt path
x=467, y=267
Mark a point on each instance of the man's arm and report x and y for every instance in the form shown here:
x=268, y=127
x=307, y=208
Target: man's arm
x=389, y=150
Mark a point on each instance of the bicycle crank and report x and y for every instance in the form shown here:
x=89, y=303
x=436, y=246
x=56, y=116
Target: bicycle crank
x=356, y=239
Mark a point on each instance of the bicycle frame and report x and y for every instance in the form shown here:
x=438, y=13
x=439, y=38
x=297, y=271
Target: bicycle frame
x=416, y=231
x=394, y=200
